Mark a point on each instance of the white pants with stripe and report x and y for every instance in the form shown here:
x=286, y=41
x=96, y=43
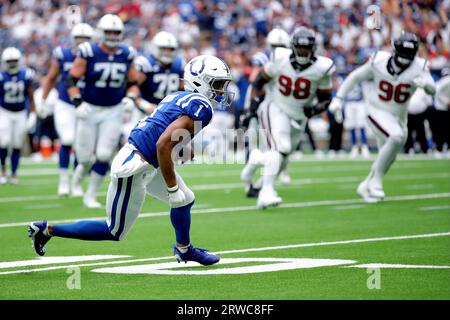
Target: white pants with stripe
x=281, y=133
x=13, y=127
x=131, y=179
x=98, y=135
x=385, y=125
x=65, y=122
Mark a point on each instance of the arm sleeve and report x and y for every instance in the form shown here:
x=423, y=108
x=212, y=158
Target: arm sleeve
x=430, y=86
x=360, y=74
x=200, y=110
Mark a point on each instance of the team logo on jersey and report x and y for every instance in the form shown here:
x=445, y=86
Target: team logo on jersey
x=197, y=66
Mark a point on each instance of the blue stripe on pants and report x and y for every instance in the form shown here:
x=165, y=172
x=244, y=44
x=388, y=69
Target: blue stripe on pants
x=114, y=206
x=123, y=211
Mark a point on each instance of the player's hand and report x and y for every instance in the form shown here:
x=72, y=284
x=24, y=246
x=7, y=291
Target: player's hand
x=83, y=110
x=176, y=197
x=335, y=108
x=246, y=118
x=419, y=83
x=128, y=104
x=31, y=122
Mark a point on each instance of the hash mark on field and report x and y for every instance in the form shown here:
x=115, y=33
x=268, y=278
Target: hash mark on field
x=355, y=206
x=43, y=206
x=303, y=245
x=255, y=208
x=434, y=208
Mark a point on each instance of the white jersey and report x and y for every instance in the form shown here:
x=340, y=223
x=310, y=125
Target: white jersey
x=290, y=89
x=390, y=92
x=442, y=98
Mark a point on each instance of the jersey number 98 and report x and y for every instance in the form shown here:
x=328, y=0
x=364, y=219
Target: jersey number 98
x=300, y=90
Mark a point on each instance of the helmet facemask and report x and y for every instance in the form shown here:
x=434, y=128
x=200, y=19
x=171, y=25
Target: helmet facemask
x=218, y=94
x=111, y=38
x=12, y=66
x=166, y=54
x=303, y=53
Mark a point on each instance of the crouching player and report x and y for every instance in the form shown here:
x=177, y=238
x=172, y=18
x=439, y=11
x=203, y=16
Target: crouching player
x=145, y=165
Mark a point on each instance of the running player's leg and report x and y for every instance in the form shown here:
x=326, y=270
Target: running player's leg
x=6, y=134
x=19, y=131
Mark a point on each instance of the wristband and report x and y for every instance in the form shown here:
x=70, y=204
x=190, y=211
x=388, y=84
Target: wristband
x=173, y=189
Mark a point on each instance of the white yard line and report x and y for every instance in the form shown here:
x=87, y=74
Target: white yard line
x=240, y=185
x=254, y=208
x=302, y=245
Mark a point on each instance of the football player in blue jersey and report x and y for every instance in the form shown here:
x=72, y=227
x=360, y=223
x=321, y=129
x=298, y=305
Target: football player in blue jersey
x=109, y=73
x=146, y=165
x=16, y=93
x=159, y=75
x=64, y=111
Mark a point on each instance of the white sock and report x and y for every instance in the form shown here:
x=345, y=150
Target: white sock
x=79, y=174
x=385, y=159
x=64, y=176
x=272, y=164
x=95, y=182
x=183, y=249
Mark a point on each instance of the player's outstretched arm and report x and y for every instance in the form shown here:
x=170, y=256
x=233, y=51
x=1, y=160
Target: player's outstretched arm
x=48, y=82
x=360, y=74
x=76, y=73
x=426, y=82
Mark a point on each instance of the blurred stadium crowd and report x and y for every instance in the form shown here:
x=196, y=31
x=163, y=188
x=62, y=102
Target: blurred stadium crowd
x=236, y=29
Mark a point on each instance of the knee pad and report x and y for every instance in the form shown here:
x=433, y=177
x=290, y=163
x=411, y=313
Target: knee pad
x=103, y=155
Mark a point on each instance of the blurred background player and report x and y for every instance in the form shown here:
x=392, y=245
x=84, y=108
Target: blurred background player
x=299, y=85
x=417, y=114
x=107, y=68
x=354, y=121
x=442, y=115
x=276, y=38
x=395, y=76
x=64, y=111
x=16, y=95
x=159, y=75
x=146, y=165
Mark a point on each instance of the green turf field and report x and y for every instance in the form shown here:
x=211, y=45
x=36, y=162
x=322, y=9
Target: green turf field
x=397, y=249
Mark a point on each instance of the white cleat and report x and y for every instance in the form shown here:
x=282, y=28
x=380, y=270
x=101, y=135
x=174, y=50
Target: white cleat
x=365, y=153
x=284, y=177
x=268, y=198
x=90, y=202
x=3, y=180
x=376, y=192
x=63, y=189
x=77, y=190
x=363, y=191
x=354, y=152
x=13, y=180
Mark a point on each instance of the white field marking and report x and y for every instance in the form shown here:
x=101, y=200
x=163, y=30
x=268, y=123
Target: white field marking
x=397, y=266
x=419, y=186
x=53, y=260
x=43, y=206
x=254, y=208
x=350, y=207
x=303, y=245
x=240, y=185
x=281, y=264
x=432, y=208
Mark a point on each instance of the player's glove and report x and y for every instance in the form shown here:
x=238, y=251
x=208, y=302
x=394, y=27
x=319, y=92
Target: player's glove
x=129, y=102
x=83, y=110
x=250, y=113
x=177, y=198
x=335, y=108
x=317, y=109
x=31, y=122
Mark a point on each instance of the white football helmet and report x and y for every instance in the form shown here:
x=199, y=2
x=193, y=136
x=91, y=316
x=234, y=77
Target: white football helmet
x=82, y=32
x=277, y=37
x=11, y=60
x=164, y=47
x=209, y=76
x=111, y=30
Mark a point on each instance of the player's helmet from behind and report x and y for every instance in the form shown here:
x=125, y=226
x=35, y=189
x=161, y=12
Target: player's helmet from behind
x=405, y=48
x=11, y=60
x=164, y=47
x=209, y=76
x=82, y=32
x=111, y=30
x=303, y=44
x=277, y=37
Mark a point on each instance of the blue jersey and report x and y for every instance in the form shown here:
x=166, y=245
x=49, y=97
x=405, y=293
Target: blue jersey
x=147, y=132
x=65, y=58
x=14, y=89
x=106, y=74
x=160, y=80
